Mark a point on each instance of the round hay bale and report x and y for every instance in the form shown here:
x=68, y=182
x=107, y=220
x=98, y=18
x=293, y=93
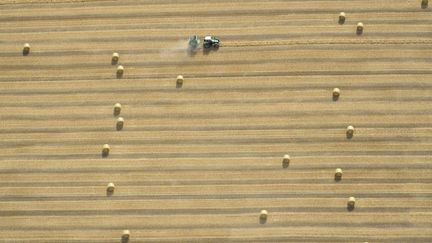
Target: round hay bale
x=338, y=173
x=359, y=28
x=263, y=215
x=110, y=187
x=105, y=149
x=424, y=3
x=341, y=18
x=120, y=70
x=115, y=57
x=336, y=92
x=120, y=123
x=26, y=49
x=117, y=108
x=351, y=202
x=286, y=159
x=126, y=235
x=350, y=130
x=180, y=79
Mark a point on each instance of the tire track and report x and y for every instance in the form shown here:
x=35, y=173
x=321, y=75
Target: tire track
x=180, y=26
x=212, y=141
x=154, y=64
x=221, y=196
x=100, y=104
x=226, y=114
x=223, y=75
x=178, y=182
x=203, y=14
x=165, y=155
x=100, y=51
x=276, y=167
x=208, y=128
x=222, y=88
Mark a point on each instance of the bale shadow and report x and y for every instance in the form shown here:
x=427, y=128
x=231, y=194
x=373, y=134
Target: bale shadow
x=337, y=178
x=124, y=239
x=114, y=62
x=119, y=126
x=109, y=193
x=341, y=21
x=104, y=154
x=179, y=85
x=349, y=135
x=262, y=220
x=335, y=98
x=424, y=5
x=119, y=75
x=25, y=52
x=359, y=32
x=350, y=207
x=285, y=165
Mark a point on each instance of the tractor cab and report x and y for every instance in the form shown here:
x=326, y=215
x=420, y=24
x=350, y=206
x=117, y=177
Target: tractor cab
x=211, y=42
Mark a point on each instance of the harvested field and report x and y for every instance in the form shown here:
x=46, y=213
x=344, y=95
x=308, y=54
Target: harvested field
x=198, y=162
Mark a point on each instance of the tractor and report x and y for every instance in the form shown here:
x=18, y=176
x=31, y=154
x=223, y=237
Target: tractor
x=211, y=42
